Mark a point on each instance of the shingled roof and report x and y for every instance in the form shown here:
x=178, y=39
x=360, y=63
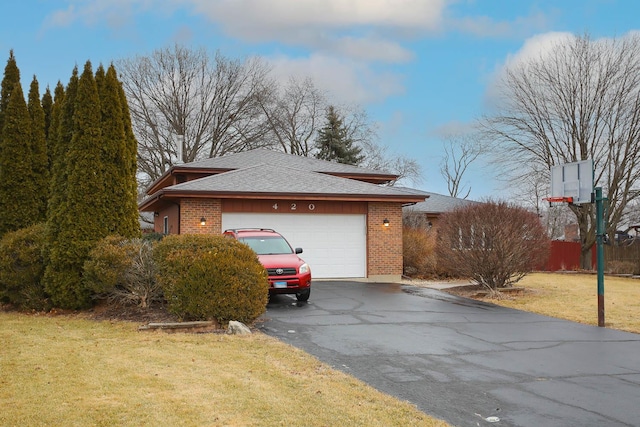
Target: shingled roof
x=438, y=203
x=245, y=159
x=269, y=181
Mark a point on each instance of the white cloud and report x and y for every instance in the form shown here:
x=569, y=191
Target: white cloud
x=273, y=17
x=367, y=49
x=534, y=47
x=115, y=13
x=359, y=29
x=484, y=26
x=346, y=81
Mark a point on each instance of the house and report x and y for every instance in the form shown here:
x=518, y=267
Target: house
x=347, y=221
x=434, y=205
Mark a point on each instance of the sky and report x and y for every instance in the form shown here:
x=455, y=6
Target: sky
x=421, y=69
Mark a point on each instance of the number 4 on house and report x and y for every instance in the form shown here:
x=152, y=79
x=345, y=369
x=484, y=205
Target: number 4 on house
x=275, y=206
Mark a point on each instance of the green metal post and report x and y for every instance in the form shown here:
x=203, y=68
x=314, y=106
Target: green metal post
x=600, y=252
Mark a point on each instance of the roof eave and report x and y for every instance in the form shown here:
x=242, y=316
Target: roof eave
x=169, y=193
x=164, y=179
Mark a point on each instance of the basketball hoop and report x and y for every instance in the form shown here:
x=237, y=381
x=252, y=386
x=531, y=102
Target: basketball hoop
x=558, y=199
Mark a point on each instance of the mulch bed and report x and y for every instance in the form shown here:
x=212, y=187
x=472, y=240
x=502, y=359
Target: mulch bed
x=156, y=313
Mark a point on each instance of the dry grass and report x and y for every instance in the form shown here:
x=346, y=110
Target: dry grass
x=76, y=372
x=574, y=297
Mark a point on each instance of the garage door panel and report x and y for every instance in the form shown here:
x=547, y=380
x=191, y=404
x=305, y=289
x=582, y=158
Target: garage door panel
x=333, y=245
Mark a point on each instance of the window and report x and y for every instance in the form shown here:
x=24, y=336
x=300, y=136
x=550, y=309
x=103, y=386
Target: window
x=267, y=245
x=165, y=226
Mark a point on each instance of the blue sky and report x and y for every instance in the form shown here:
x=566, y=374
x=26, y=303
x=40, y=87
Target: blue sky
x=420, y=68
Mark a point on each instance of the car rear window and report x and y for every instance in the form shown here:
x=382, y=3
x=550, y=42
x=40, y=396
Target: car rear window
x=267, y=245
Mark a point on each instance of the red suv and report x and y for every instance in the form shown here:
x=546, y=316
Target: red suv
x=288, y=273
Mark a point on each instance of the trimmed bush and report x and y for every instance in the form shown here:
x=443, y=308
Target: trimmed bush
x=123, y=271
x=207, y=277
x=22, y=268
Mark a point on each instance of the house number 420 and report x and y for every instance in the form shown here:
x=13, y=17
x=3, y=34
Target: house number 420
x=294, y=206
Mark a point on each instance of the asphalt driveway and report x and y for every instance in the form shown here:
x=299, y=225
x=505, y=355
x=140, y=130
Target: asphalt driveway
x=465, y=361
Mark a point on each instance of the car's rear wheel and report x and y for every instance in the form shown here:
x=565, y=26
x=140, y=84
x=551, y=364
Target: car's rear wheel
x=303, y=295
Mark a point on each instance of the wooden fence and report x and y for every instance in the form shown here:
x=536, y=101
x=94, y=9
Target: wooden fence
x=624, y=259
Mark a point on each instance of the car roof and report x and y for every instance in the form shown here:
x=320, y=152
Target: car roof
x=259, y=232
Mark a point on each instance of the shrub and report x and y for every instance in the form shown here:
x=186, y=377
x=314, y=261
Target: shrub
x=621, y=267
x=22, y=268
x=494, y=243
x=122, y=271
x=211, y=277
x=152, y=237
x=418, y=248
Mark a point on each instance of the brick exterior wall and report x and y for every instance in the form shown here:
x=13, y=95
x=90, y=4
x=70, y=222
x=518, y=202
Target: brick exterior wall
x=384, y=244
x=192, y=210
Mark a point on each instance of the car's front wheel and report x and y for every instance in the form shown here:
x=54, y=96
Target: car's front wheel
x=303, y=295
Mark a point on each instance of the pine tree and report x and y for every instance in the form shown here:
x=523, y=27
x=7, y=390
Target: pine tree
x=16, y=186
x=333, y=141
x=38, y=158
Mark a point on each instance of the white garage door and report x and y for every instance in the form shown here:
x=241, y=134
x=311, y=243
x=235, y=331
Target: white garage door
x=334, y=245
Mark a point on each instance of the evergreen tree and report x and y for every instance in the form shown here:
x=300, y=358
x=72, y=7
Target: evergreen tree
x=75, y=220
x=333, y=141
x=16, y=186
x=47, y=106
x=62, y=111
x=38, y=158
x=120, y=155
x=53, y=134
x=131, y=223
x=9, y=81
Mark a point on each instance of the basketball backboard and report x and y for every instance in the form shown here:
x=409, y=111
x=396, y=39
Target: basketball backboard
x=573, y=180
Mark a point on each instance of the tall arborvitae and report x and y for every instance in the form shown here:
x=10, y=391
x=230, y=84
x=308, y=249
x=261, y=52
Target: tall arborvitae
x=9, y=81
x=131, y=166
x=121, y=218
x=63, y=260
x=53, y=134
x=333, y=141
x=128, y=223
x=17, y=205
x=47, y=106
x=39, y=158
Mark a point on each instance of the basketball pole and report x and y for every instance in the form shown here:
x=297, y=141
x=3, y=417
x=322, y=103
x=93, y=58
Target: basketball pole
x=600, y=252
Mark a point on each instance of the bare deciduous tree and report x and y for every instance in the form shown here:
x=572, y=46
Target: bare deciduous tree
x=294, y=114
x=459, y=152
x=180, y=98
x=185, y=106
x=494, y=243
x=580, y=100
x=379, y=158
